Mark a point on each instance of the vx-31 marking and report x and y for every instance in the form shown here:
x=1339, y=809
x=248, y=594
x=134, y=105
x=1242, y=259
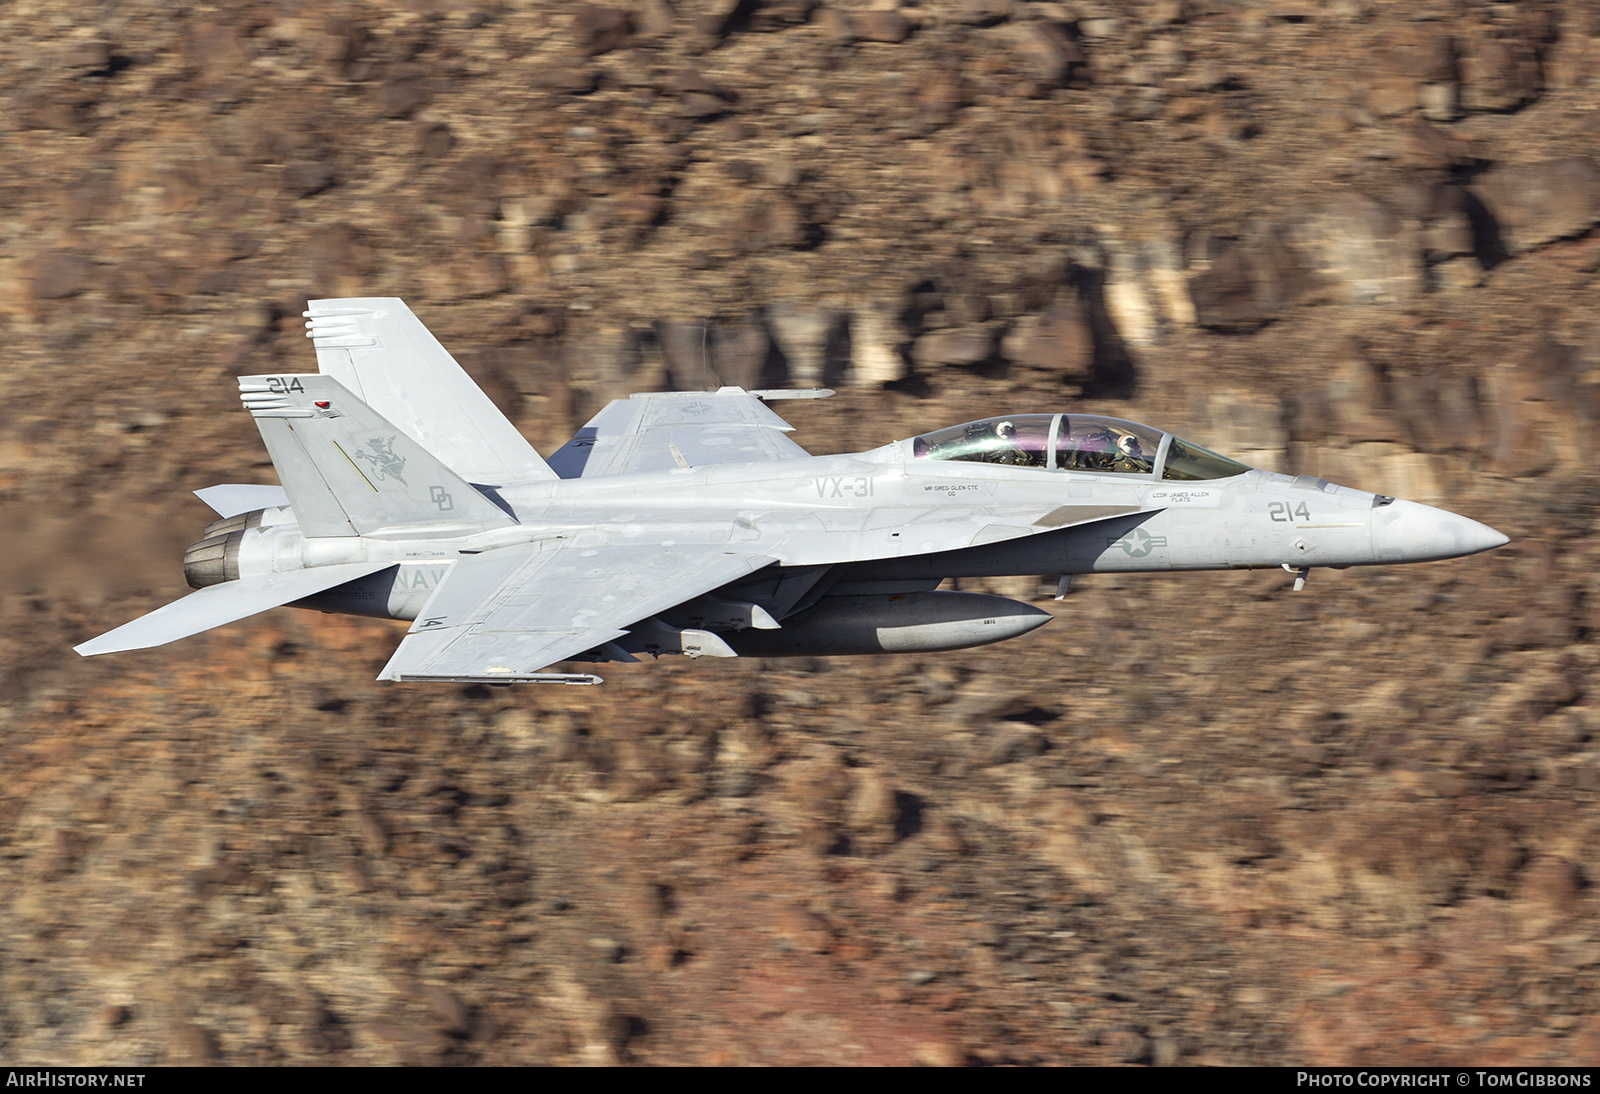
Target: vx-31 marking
x=845, y=486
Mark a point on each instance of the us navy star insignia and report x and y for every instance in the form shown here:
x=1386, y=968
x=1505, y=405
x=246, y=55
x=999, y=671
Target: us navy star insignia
x=1138, y=543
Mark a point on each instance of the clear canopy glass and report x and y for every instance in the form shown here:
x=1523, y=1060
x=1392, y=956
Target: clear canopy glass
x=1190, y=462
x=1088, y=442
x=1075, y=442
x=1022, y=440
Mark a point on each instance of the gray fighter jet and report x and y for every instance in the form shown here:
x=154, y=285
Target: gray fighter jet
x=688, y=522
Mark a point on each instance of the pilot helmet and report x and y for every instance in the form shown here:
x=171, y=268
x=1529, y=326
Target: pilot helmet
x=1128, y=445
x=1005, y=429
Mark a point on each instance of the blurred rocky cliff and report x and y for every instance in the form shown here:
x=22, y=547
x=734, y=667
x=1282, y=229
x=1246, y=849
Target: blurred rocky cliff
x=1197, y=819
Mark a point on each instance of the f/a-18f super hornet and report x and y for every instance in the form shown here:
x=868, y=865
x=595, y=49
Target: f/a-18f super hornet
x=687, y=522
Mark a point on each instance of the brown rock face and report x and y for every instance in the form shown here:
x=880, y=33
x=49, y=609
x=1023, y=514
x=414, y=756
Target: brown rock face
x=883, y=26
x=962, y=346
x=600, y=29
x=1250, y=281
x=57, y=276
x=774, y=15
x=1538, y=203
x=1047, y=53
x=1199, y=819
x=1059, y=339
x=1360, y=248
x=1498, y=74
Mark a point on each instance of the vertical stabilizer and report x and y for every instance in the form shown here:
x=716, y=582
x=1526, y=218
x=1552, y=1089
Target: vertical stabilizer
x=349, y=471
x=380, y=350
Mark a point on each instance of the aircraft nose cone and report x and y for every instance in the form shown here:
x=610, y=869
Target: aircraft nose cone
x=1408, y=532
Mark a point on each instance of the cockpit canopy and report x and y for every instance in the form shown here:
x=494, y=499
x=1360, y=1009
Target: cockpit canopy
x=1075, y=442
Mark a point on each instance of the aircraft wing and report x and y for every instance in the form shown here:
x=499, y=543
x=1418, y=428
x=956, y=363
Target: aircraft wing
x=502, y=615
x=661, y=431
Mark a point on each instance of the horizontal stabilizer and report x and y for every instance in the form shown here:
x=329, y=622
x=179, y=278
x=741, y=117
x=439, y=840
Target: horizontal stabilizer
x=231, y=499
x=218, y=604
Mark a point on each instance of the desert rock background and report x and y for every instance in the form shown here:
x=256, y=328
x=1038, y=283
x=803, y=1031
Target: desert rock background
x=1197, y=819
